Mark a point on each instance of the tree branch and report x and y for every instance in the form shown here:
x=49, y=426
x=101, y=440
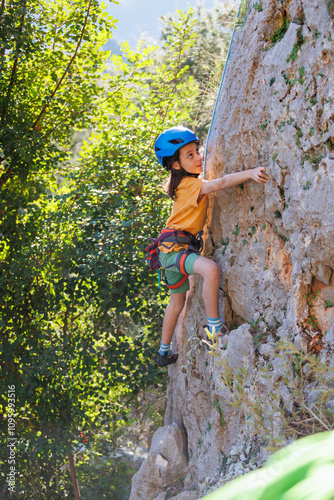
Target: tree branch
x=75, y=484
x=47, y=104
x=14, y=68
x=81, y=112
x=2, y=8
x=5, y=176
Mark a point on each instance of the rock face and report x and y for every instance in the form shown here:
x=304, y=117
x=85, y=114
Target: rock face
x=165, y=463
x=276, y=110
x=274, y=245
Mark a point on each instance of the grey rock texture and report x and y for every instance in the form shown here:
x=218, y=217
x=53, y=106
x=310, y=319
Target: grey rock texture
x=276, y=110
x=274, y=243
x=165, y=463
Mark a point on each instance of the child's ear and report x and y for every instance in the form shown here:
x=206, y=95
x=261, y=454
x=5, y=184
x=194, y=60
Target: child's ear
x=176, y=165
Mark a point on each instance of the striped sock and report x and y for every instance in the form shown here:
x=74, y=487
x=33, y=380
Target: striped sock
x=214, y=323
x=165, y=348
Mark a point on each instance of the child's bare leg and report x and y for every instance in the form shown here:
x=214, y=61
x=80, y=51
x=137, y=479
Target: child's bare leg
x=173, y=310
x=210, y=272
x=172, y=314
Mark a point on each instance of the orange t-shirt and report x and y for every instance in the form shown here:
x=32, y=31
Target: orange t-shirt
x=187, y=214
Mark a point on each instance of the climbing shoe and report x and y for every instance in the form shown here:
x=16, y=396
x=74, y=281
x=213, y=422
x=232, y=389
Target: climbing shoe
x=166, y=360
x=223, y=331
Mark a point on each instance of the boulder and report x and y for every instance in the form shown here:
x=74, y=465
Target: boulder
x=165, y=463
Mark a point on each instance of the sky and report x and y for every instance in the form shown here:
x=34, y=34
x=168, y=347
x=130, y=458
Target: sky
x=142, y=16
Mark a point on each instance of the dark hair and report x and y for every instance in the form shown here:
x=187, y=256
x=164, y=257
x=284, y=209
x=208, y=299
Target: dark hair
x=176, y=176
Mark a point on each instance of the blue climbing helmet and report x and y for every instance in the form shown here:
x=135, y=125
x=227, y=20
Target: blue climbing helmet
x=171, y=140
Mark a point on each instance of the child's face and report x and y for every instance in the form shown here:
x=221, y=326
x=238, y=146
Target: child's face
x=190, y=159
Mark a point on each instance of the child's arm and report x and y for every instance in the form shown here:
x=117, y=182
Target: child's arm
x=230, y=180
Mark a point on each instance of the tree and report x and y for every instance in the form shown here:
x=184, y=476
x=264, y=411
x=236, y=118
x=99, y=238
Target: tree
x=206, y=57
x=79, y=311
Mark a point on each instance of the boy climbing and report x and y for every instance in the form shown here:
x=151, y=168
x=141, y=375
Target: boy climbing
x=177, y=149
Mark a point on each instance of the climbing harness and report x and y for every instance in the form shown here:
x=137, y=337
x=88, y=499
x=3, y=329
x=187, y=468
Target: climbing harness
x=220, y=88
x=194, y=245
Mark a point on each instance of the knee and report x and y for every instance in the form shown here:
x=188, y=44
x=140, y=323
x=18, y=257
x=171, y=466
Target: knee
x=213, y=272
x=177, y=302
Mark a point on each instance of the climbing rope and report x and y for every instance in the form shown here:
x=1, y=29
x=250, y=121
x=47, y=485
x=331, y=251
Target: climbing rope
x=220, y=87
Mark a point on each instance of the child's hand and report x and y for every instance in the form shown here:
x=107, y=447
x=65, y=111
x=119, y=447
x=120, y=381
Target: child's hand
x=258, y=175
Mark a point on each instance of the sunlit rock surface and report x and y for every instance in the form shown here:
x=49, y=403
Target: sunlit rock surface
x=274, y=243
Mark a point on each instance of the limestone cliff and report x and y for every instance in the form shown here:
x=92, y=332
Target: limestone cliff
x=274, y=244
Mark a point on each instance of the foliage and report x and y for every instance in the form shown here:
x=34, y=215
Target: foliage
x=281, y=30
x=278, y=35
x=106, y=468
x=105, y=475
x=206, y=57
x=258, y=7
x=212, y=32
x=50, y=83
x=243, y=13
x=313, y=158
x=80, y=314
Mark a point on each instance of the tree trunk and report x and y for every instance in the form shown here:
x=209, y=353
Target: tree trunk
x=74, y=477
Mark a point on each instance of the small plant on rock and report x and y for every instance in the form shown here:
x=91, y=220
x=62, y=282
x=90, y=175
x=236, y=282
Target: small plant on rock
x=255, y=325
x=224, y=463
x=219, y=409
x=259, y=338
x=225, y=244
x=236, y=231
x=330, y=144
x=330, y=7
x=287, y=79
x=280, y=32
x=314, y=158
x=312, y=321
x=298, y=136
x=301, y=72
x=310, y=297
x=299, y=42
